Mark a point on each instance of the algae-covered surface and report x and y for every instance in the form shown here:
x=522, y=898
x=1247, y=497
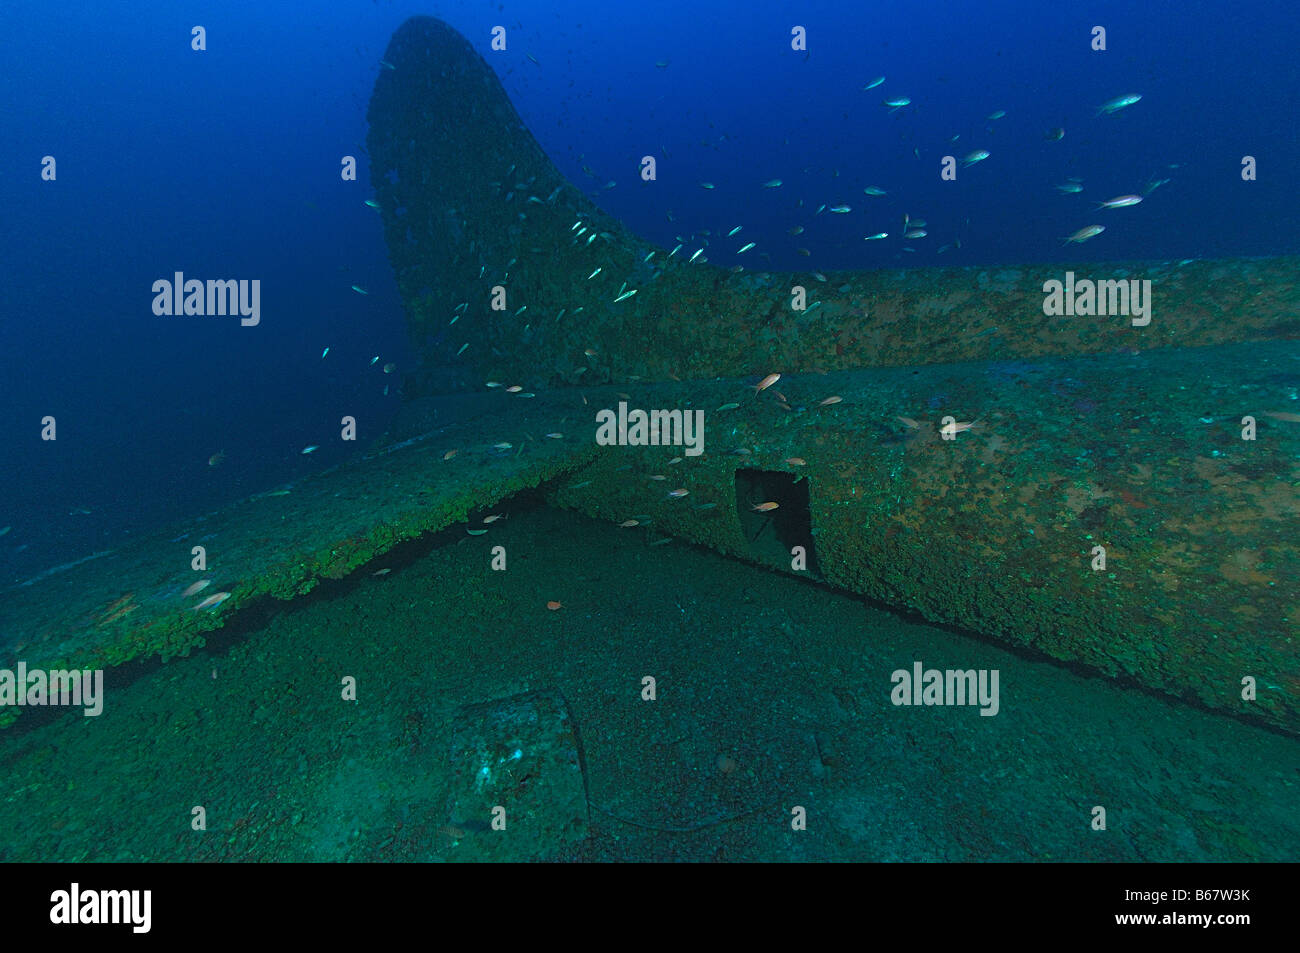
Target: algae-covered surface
x=133, y=602
x=772, y=694
x=418, y=646
x=997, y=529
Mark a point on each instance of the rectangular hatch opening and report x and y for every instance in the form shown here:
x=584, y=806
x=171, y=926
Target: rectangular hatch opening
x=773, y=533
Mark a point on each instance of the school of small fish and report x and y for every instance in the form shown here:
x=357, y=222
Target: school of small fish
x=913, y=229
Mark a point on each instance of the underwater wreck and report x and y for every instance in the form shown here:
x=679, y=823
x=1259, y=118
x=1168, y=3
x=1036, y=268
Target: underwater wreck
x=1126, y=500
x=1114, y=494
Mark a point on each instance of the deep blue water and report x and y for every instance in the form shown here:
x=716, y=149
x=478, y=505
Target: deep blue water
x=226, y=164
